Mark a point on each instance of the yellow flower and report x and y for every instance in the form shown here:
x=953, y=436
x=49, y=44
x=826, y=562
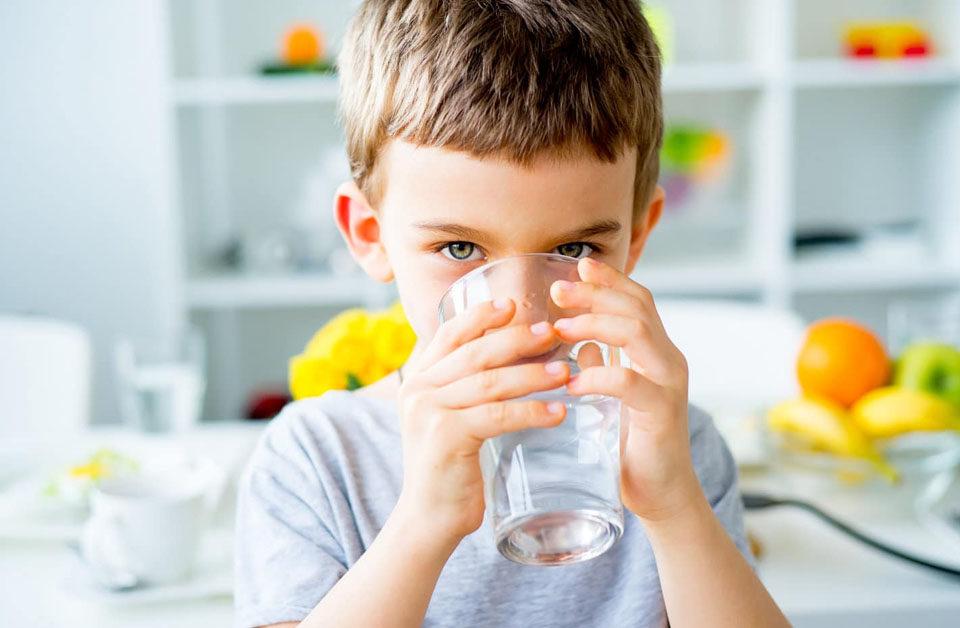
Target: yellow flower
x=348, y=322
x=395, y=313
x=372, y=372
x=351, y=353
x=392, y=342
x=355, y=348
x=312, y=376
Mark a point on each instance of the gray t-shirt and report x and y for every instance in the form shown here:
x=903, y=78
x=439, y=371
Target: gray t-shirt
x=324, y=478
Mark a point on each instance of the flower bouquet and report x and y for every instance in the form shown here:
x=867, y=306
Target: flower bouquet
x=354, y=349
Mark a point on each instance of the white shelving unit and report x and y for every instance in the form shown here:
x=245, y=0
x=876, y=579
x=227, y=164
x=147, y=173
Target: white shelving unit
x=845, y=74
x=255, y=90
x=229, y=292
x=820, y=142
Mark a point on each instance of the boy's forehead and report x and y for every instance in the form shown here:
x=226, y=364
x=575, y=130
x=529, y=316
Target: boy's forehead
x=429, y=185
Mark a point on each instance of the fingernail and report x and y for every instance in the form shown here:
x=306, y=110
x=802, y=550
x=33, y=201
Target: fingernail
x=554, y=368
x=501, y=304
x=564, y=286
x=555, y=407
x=540, y=328
x=562, y=323
x=589, y=261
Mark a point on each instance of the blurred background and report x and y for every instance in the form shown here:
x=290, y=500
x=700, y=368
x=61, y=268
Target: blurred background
x=167, y=169
x=154, y=175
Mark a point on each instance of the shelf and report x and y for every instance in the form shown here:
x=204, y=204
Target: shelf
x=265, y=291
x=832, y=274
x=702, y=279
x=819, y=141
x=282, y=89
x=256, y=90
x=710, y=77
x=868, y=73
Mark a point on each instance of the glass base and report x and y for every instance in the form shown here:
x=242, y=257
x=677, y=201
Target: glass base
x=558, y=538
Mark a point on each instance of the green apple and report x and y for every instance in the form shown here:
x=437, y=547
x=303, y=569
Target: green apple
x=930, y=366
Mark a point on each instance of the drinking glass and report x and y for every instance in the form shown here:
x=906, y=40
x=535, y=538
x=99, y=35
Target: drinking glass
x=161, y=381
x=553, y=494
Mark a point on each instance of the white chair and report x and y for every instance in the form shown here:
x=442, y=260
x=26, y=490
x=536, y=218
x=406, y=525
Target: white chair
x=741, y=359
x=45, y=375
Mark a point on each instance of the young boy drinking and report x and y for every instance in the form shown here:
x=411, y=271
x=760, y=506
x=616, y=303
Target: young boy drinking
x=480, y=129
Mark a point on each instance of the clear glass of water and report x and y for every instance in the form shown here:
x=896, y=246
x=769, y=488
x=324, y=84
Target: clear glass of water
x=161, y=381
x=552, y=494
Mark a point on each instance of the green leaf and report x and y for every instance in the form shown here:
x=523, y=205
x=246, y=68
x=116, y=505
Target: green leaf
x=353, y=382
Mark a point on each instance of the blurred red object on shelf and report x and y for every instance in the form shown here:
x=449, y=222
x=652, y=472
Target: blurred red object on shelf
x=886, y=40
x=266, y=404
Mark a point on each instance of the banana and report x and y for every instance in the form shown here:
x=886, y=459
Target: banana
x=892, y=410
x=823, y=424
x=826, y=426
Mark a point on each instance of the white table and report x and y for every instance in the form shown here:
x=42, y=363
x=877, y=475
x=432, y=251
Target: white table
x=820, y=578
x=32, y=591
x=824, y=579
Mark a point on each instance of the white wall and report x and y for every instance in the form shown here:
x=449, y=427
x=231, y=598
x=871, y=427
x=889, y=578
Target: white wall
x=86, y=229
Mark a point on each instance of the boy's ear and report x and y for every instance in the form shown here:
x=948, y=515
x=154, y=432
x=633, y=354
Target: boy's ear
x=359, y=225
x=641, y=229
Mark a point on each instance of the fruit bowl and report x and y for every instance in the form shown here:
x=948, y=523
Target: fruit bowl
x=922, y=453
x=914, y=456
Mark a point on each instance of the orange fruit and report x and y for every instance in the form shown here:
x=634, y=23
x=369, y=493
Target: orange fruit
x=841, y=360
x=302, y=45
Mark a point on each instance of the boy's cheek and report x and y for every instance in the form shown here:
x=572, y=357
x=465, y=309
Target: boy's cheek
x=422, y=316
x=420, y=300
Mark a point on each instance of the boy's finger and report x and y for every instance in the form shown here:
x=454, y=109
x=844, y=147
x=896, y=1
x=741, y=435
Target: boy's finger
x=632, y=388
x=498, y=348
x=594, y=297
x=507, y=382
x=643, y=343
x=472, y=324
x=501, y=417
x=595, y=271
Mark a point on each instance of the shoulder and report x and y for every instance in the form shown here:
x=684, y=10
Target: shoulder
x=700, y=421
x=706, y=443
x=717, y=472
x=310, y=431
x=711, y=457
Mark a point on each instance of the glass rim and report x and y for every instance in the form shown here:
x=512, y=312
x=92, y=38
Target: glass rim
x=489, y=265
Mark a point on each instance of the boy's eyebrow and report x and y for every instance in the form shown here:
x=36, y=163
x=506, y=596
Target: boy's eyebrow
x=601, y=227
x=452, y=229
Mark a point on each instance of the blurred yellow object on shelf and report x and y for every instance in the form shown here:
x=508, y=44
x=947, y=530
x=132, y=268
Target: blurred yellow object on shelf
x=354, y=349
x=886, y=40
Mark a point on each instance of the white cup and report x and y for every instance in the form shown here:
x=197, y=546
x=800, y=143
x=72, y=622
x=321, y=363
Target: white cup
x=149, y=526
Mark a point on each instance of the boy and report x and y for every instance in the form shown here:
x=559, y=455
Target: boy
x=479, y=129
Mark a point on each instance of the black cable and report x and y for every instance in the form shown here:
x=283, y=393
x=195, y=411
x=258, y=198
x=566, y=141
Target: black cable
x=759, y=501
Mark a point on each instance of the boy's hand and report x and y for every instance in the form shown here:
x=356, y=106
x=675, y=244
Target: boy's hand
x=454, y=397
x=657, y=476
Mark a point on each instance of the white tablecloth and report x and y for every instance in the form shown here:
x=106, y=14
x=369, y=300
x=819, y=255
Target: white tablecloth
x=820, y=578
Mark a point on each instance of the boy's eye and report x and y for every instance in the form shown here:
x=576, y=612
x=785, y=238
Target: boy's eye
x=460, y=251
x=575, y=249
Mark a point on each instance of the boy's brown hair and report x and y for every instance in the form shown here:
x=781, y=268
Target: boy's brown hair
x=506, y=78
